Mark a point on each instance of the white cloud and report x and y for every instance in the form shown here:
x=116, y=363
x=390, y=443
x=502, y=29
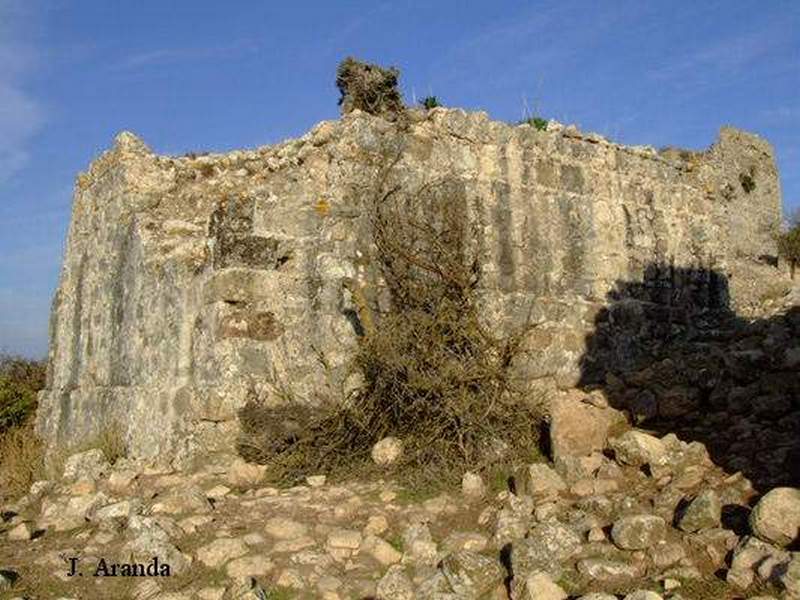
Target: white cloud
x=172, y=55
x=21, y=116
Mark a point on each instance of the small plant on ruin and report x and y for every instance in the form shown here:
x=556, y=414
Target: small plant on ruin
x=435, y=376
x=429, y=102
x=789, y=246
x=787, y=239
x=370, y=88
x=538, y=123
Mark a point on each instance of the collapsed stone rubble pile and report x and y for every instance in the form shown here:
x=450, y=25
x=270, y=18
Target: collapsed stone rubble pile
x=619, y=512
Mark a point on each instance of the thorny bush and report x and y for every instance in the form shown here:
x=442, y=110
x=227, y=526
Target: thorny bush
x=435, y=375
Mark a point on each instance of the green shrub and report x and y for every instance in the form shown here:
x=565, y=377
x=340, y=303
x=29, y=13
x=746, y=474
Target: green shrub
x=429, y=102
x=789, y=246
x=20, y=381
x=538, y=122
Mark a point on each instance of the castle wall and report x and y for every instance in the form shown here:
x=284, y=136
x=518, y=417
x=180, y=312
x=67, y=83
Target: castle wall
x=190, y=284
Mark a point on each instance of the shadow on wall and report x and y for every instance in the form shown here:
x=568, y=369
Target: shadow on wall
x=671, y=352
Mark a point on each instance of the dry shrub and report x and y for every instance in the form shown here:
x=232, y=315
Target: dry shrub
x=436, y=377
x=368, y=87
x=110, y=441
x=21, y=460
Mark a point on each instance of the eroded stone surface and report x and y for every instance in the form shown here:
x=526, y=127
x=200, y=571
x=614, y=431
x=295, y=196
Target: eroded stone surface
x=188, y=282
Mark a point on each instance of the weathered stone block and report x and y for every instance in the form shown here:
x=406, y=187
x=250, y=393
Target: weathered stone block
x=187, y=277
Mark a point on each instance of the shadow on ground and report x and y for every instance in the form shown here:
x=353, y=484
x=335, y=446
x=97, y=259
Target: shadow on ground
x=672, y=352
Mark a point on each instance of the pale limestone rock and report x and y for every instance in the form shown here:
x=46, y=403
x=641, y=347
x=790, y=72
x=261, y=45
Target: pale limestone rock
x=316, y=480
x=643, y=595
x=60, y=517
x=344, y=538
x=21, y=532
x=381, y=550
x=509, y=526
x=387, y=496
x=471, y=575
x=395, y=584
x=253, y=539
x=211, y=593
x=220, y=551
x=419, y=545
x=540, y=586
x=123, y=509
x=596, y=534
x=544, y=481
x=184, y=499
x=637, y=448
x=285, y=529
x=579, y=429
x=293, y=545
x=470, y=540
x=546, y=548
x=376, y=525
x=607, y=570
x=752, y=555
x=151, y=539
x=703, y=512
x=776, y=517
x=573, y=468
x=218, y=492
x=245, y=475
x=638, y=532
x=665, y=554
x=91, y=464
x=191, y=524
x=39, y=488
x=121, y=481
x=472, y=486
x=249, y=566
x=387, y=451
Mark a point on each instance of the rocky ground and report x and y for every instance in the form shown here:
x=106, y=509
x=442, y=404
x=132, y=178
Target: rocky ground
x=619, y=512
x=646, y=518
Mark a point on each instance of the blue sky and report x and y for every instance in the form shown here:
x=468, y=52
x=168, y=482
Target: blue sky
x=209, y=76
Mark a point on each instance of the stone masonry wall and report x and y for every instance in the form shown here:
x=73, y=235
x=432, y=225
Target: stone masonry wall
x=191, y=283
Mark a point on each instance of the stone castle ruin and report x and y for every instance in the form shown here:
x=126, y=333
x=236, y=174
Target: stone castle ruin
x=191, y=284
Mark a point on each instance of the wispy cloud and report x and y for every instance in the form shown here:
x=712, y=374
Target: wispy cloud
x=21, y=115
x=762, y=41
x=160, y=56
x=782, y=114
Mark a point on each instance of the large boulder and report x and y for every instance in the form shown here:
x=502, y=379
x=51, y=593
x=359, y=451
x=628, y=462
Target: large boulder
x=540, y=586
x=578, y=428
x=776, y=517
x=546, y=548
x=636, y=448
x=471, y=575
x=703, y=512
x=91, y=464
x=638, y=532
